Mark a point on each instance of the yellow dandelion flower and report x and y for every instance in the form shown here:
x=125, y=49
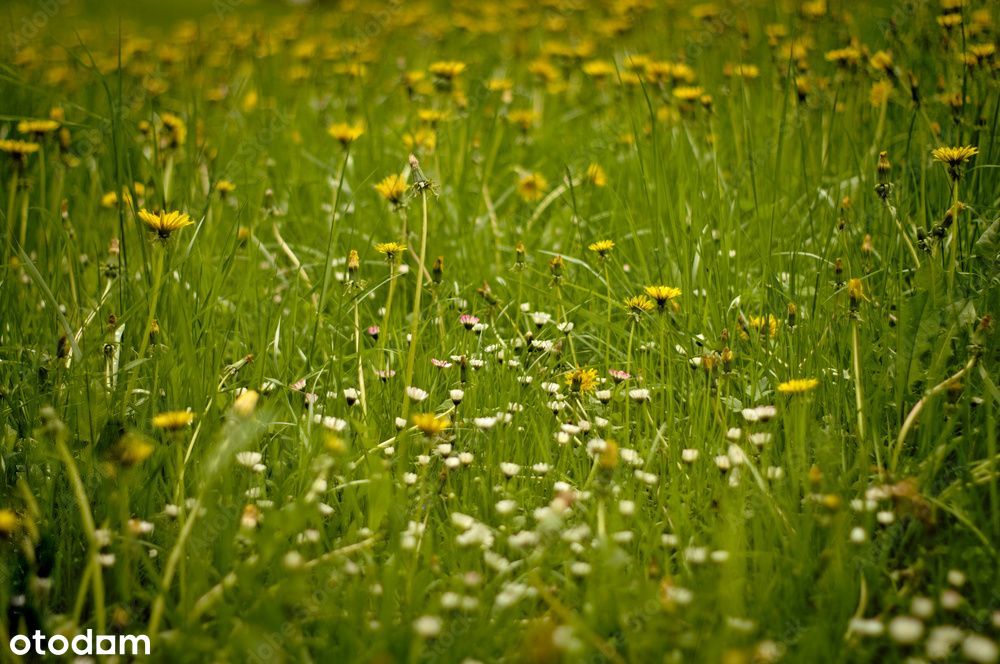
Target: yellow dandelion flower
x=37, y=126
x=18, y=149
x=662, y=294
x=448, y=70
x=392, y=188
x=433, y=116
x=798, y=386
x=596, y=176
x=391, y=250
x=346, y=133
x=523, y=118
x=532, y=186
x=9, y=522
x=225, y=187
x=176, y=129
x=499, y=85
x=422, y=139
x=132, y=450
x=582, y=379
x=602, y=247
x=639, y=304
x=173, y=420
x=164, y=224
x=954, y=157
x=599, y=69
x=430, y=424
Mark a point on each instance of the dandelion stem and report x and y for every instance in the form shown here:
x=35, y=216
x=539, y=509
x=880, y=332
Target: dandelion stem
x=11, y=206
x=357, y=352
x=859, y=399
x=415, y=318
x=329, y=248
x=953, y=249
x=384, y=331
x=159, y=251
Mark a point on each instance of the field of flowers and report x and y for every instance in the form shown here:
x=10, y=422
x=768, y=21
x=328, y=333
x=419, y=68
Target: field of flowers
x=524, y=331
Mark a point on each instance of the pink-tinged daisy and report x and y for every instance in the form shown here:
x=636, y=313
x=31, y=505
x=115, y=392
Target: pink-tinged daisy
x=440, y=364
x=618, y=375
x=468, y=321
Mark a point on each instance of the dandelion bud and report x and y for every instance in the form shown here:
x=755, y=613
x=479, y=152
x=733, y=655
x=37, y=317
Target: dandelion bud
x=914, y=89
x=792, y=313
x=856, y=292
x=727, y=358
x=154, y=331
x=437, y=272
x=838, y=270
x=866, y=245
x=353, y=264
x=519, y=253
x=556, y=267
x=883, y=185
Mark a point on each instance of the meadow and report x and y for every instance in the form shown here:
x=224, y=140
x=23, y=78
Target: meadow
x=517, y=331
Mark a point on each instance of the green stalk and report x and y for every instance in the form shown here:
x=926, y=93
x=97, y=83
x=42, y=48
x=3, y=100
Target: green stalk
x=415, y=318
x=384, y=330
x=94, y=564
x=329, y=249
x=159, y=252
x=953, y=250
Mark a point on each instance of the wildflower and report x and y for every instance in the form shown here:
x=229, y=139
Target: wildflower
x=391, y=250
x=639, y=394
x=884, y=186
x=430, y=424
x=556, y=268
x=173, y=420
x=19, y=149
x=37, y=127
x=176, y=130
x=602, y=247
x=618, y=375
x=638, y=305
x=596, y=176
x=427, y=626
x=855, y=290
x=582, y=379
x=131, y=450
x=416, y=393
x=392, y=189
x=8, y=522
x=437, y=270
x=225, y=187
x=447, y=70
x=346, y=133
x=164, y=224
x=798, y=386
x=954, y=158
x=906, y=630
x=523, y=118
x=246, y=403
x=532, y=186
x=662, y=294
x=468, y=321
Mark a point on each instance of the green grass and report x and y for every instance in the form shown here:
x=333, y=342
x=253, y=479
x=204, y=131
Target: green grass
x=689, y=533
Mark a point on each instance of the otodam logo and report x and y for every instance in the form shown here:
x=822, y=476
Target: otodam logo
x=86, y=643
